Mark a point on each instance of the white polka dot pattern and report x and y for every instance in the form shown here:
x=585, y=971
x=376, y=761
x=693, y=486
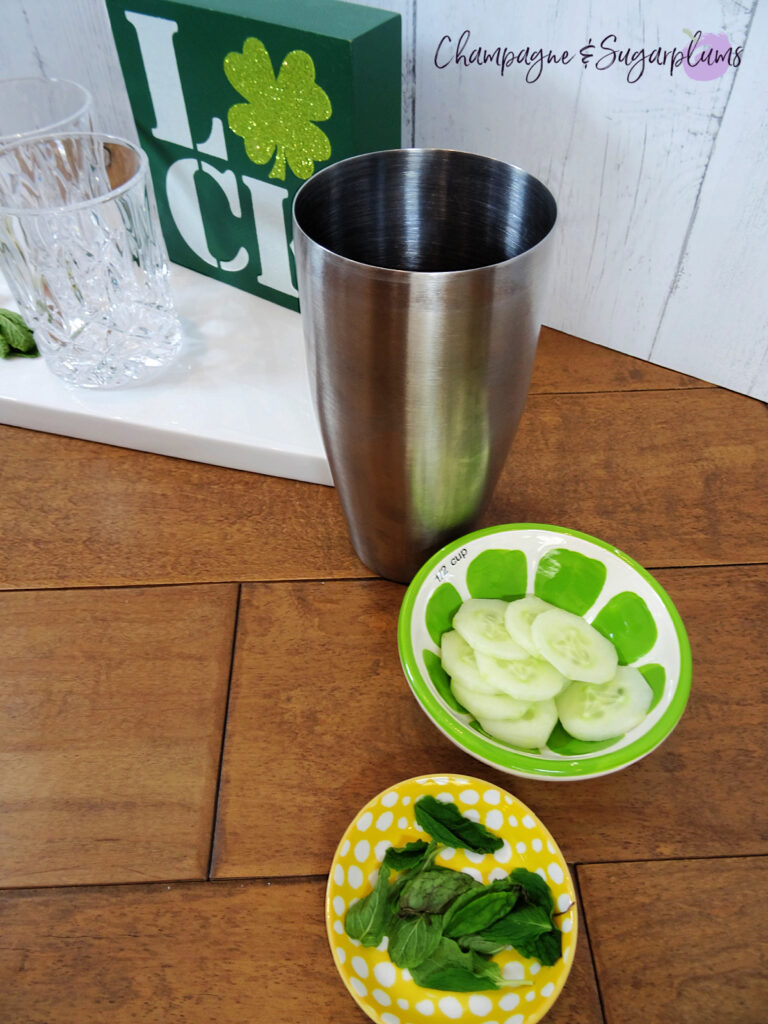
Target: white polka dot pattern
x=385, y=973
x=555, y=872
x=509, y=1001
x=480, y=1005
x=381, y=848
x=450, y=1007
x=355, y=876
x=387, y=994
x=504, y=854
x=494, y=820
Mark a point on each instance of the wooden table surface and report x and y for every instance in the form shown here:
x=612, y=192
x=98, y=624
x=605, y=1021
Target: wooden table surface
x=175, y=641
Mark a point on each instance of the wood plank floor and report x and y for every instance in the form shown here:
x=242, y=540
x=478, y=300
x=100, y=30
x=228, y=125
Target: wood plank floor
x=675, y=932
x=200, y=686
x=111, y=717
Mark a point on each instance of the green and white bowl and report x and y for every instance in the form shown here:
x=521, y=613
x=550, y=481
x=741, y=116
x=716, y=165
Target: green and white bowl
x=576, y=572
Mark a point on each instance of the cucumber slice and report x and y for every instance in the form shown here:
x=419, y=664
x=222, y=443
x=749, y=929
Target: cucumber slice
x=519, y=618
x=459, y=662
x=488, y=705
x=530, y=731
x=480, y=621
x=527, y=679
x=574, y=647
x=590, y=711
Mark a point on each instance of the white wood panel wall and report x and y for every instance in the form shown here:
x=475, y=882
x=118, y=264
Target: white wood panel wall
x=659, y=183
x=662, y=247
x=67, y=39
x=716, y=322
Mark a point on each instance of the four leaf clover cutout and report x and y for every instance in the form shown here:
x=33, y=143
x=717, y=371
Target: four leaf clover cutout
x=278, y=117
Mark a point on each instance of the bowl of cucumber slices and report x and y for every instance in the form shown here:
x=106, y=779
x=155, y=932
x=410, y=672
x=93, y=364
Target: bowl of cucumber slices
x=544, y=652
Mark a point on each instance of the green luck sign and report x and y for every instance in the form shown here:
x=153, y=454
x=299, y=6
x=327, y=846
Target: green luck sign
x=237, y=103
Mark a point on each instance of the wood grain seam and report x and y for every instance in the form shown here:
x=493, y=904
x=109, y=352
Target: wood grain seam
x=584, y=928
x=668, y=860
x=574, y=866
x=264, y=881
x=224, y=732
x=123, y=586
x=704, y=565
x=267, y=881
x=214, y=581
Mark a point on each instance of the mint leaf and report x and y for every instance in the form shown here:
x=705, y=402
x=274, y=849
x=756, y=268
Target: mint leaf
x=15, y=337
x=446, y=823
x=547, y=948
x=519, y=926
x=529, y=927
x=534, y=887
x=408, y=857
x=476, y=911
x=413, y=939
x=433, y=891
x=366, y=919
x=450, y=969
x=486, y=947
x=418, y=863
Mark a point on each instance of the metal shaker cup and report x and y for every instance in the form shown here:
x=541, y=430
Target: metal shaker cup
x=420, y=273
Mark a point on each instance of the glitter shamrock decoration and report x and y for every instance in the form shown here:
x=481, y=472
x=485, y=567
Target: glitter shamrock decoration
x=279, y=113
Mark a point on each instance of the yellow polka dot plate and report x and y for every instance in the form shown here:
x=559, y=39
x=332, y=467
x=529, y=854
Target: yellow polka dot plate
x=388, y=994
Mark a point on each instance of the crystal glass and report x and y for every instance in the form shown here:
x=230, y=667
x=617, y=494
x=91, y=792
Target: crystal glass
x=83, y=254
x=34, y=106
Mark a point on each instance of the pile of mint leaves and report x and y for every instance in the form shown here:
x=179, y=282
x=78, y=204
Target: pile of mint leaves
x=443, y=925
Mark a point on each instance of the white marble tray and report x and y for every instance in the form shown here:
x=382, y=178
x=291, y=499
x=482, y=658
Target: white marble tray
x=238, y=397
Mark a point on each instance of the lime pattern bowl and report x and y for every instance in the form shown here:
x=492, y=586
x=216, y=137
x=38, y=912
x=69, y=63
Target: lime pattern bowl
x=573, y=571
x=388, y=994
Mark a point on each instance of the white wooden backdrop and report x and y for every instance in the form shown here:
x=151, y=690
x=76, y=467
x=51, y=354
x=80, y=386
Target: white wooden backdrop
x=661, y=182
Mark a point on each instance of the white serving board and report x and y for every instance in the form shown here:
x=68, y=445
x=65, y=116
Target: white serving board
x=237, y=397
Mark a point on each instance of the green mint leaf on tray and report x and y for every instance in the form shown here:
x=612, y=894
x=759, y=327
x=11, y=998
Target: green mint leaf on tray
x=367, y=918
x=446, y=823
x=450, y=969
x=486, y=947
x=433, y=891
x=534, y=887
x=547, y=948
x=413, y=939
x=408, y=857
x=475, y=911
x=15, y=337
x=529, y=926
x=519, y=927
